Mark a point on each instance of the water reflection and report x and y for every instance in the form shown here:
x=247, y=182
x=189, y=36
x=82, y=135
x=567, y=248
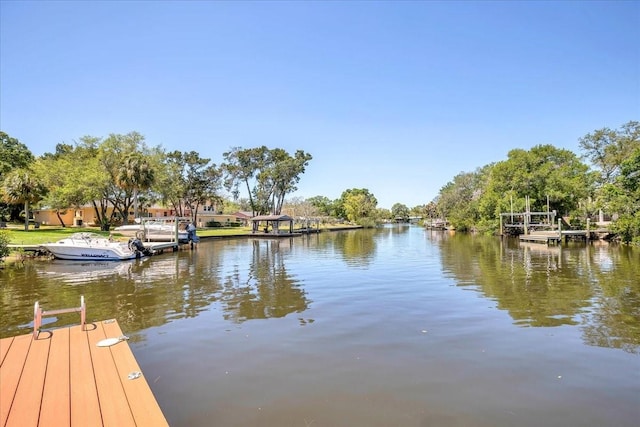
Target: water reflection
x=248, y=281
x=74, y=272
x=265, y=289
x=592, y=285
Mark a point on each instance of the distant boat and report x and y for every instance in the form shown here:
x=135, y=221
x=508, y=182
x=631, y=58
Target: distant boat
x=92, y=246
x=153, y=231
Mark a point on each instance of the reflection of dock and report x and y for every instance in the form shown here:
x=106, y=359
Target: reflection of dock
x=63, y=378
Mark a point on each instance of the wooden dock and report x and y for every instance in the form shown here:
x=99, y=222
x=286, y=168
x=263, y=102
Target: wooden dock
x=549, y=237
x=541, y=237
x=63, y=378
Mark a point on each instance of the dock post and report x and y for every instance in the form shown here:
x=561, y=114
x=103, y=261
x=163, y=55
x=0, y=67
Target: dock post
x=588, y=235
x=560, y=229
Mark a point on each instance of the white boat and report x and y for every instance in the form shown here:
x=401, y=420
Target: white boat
x=92, y=246
x=152, y=231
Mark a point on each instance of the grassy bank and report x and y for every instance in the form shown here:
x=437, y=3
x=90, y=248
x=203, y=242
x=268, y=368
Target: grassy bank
x=44, y=234
x=18, y=236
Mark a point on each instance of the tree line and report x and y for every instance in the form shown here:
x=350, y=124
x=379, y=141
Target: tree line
x=122, y=171
x=551, y=178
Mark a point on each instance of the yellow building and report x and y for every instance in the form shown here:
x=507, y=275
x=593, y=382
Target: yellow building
x=85, y=216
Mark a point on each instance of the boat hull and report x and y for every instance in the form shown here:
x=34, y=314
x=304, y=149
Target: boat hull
x=86, y=254
x=91, y=247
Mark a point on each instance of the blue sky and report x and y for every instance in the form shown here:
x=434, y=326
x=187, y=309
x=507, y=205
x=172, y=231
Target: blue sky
x=394, y=96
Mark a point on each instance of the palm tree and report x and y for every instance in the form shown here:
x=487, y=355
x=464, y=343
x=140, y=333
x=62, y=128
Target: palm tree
x=135, y=174
x=21, y=186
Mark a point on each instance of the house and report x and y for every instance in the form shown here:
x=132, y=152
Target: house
x=85, y=216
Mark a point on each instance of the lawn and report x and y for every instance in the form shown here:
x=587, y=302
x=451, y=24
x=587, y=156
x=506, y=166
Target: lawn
x=44, y=234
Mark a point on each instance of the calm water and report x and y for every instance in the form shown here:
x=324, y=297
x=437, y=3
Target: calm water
x=391, y=327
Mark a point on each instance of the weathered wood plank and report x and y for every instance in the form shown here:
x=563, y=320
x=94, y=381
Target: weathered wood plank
x=85, y=407
x=25, y=410
x=56, y=396
x=113, y=402
x=10, y=373
x=144, y=406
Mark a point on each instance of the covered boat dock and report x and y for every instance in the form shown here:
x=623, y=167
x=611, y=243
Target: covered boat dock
x=271, y=225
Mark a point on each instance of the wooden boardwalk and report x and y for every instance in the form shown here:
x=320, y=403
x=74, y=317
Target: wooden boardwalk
x=63, y=378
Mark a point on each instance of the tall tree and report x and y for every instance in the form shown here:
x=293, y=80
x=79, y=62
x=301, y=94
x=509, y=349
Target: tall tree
x=21, y=186
x=188, y=181
x=606, y=149
x=13, y=155
x=357, y=204
x=62, y=174
x=268, y=175
x=324, y=205
x=623, y=198
x=400, y=211
x=458, y=199
x=544, y=174
x=135, y=174
x=279, y=177
x=241, y=168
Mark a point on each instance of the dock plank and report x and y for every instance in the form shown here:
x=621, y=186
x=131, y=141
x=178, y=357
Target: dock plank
x=85, y=407
x=143, y=405
x=113, y=401
x=4, y=348
x=25, y=410
x=10, y=372
x=56, y=396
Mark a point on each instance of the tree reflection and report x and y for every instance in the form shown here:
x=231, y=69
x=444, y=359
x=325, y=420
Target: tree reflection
x=266, y=289
x=538, y=285
x=357, y=247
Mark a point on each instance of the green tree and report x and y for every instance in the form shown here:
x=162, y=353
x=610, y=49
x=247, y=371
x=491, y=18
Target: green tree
x=240, y=168
x=324, y=205
x=188, y=181
x=135, y=174
x=268, y=175
x=458, y=200
x=623, y=197
x=383, y=214
x=203, y=182
x=357, y=204
x=607, y=149
x=544, y=174
x=13, y=155
x=61, y=173
x=280, y=175
x=21, y=186
x=400, y=211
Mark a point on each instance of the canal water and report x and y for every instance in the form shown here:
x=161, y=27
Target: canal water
x=397, y=326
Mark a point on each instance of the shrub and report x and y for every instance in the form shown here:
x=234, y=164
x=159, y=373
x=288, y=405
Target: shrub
x=627, y=227
x=367, y=222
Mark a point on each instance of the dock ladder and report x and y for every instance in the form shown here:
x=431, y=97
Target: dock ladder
x=38, y=314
